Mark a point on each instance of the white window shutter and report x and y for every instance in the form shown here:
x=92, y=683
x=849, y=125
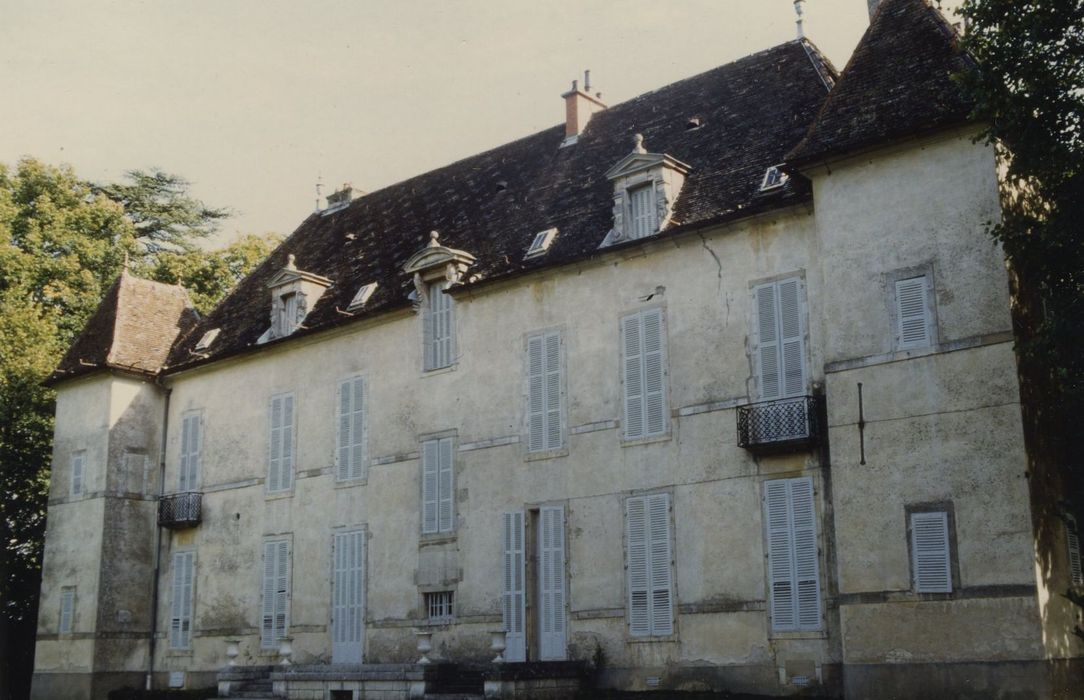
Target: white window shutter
x=638, y=566
x=274, y=459
x=348, y=596
x=446, y=487
x=642, y=209
x=343, y=400
x=282, y=593
x=439, y=328
x=191, y=444
x=806, y=570
x=780, y=566
x=180, y=628
x=912, y=313
x=654, y=362
x=78, y=481
x=67, y=610
x=351, y=430
x=552, y=583
x=633, y=371
x=359, y=432
x=287, y=441
x=536, y=399
x=552, y=356
x=512, y=585
x=1076, y=570
x=930, y=552
x=769, y=378
x=276, y=593
x=267, y=598
x=661, y=602
x=430, y=477
x=792, y=350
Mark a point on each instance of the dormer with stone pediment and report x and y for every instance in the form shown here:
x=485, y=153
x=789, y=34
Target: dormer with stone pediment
x=435, y=268
x=646, y=186
x=294, y=293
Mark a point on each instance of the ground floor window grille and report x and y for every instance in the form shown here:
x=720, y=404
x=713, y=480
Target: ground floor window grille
x=439, y=606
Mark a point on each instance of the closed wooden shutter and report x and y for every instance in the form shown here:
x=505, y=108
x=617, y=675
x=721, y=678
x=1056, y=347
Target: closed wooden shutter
x=512, y=585
x=545, y=411
x=78, y=485
x=780, y=353
x=1076, y=570
x=642, y=212
x=439, y=328
x=276, y=593
x=644, y=347
x=184, y=575
x=348, y=596
x=445, y=506
x=191, y=444
x=930, y=552
x=281, y=449
x=67, y=609
x=351, y=429
x=430, y=485
x=793, y=559
x=552, y=583
x=649, y=565
x=912, y=313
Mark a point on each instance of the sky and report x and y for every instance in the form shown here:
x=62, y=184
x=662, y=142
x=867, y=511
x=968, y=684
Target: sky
x=253, y=101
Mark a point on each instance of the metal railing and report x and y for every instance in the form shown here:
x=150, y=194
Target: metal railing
x=780, y=425
x=180, y=510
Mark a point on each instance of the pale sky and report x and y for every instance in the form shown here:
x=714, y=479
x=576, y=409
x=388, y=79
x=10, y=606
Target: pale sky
x=252, y=100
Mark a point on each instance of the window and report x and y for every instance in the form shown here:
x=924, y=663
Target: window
x=180, y=617
x=545, y=406
x=780, y=354
x=439, y=328
x=931, y=565
x=191, y=445
x=67, y=609
x=288, y=314
x=773, y=178
x=362, y=297
x=78, y=474
x=275, y=603
x=280, y=463
x=647, y=524
x=207, y=339
x=541, y=243
x=914, y=327
x=793, y=568
x=644, y=372
x=1076, y=571
x=351, y=430
x=439, y=607
x=642, y=218
x=437, y=484
x=513, y=586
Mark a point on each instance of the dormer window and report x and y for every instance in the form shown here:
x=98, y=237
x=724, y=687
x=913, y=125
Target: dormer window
x=773, y=179
x=293, y=294
x=362, y=296
x=436, y=268
x=207, y=338
x=646, y=186
x=541, y=243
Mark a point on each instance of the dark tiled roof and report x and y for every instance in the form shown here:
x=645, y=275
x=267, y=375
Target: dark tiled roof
x=898, y=83
x=492, y=204
x=132, y=329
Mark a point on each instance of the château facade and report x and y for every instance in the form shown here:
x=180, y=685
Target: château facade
x=710, y=389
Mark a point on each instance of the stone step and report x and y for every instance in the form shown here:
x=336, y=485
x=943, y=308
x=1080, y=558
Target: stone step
x=454, y=696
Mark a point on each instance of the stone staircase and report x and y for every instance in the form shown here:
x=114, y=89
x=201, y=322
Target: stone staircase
x=454, y=682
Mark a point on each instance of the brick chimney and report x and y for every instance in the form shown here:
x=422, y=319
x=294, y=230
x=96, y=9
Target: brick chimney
x=579, y=106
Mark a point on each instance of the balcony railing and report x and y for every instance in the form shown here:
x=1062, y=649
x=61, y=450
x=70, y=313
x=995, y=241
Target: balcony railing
x=181, y=510
x=783, y=425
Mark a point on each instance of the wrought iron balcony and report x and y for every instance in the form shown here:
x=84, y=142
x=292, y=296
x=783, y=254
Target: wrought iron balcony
x=180, y=510
x=783, y=425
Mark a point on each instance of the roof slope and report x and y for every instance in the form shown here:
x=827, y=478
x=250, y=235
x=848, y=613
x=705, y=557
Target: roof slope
x=492, y=204
x=897, y=83
x=132, y=329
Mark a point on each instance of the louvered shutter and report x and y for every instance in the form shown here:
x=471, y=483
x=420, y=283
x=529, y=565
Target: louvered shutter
x=78, y=473
x=267, y=598
x=552, y=356
x=274, y=458
x=536, y=399
x=658, y=513
x=276, y=592
x=67, y=610
x=430, y=477
x=641, y=207
x=930, y=552
x=806, y=570
x=638, y=566
x=792, y=351
x=439, y=328
x=912, y=313
x=351, y=429
x=768, y=365
x=348, y=603
x=780, y=565
x=287, y=441
x=191, y=443
x=512, y=588
x=654, y=350
x=445, y=507
x=1076, y=571
x=180, y=629
x=552, y=584
x=633, y=371
x=282, y=588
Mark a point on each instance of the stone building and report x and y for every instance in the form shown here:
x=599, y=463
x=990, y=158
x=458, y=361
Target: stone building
x=710, y=389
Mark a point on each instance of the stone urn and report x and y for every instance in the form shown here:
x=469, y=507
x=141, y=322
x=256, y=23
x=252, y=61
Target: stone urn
x=498, y=644
x=425, y=645
x=233, y=650
x=286, y=650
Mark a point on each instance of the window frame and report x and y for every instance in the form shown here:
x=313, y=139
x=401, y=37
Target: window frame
x=449, y=438
x=631, y=190
x=756, y=361
x=67, y=593
x=797, y=630
x=546, y=451
x=190, y=555
x=443, y=600
x=1075, y=554
x=667, y=423
x=77, y=487
x=891, y=282
x=948, y=508
x=434, y=290
x=196, y=479
x=362, y=468
x=288, y=489
x=271, y=645
x=651, y=633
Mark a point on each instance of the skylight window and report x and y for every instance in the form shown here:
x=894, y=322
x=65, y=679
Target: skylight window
x=207, y=339
x=362, y=296
x=541, y=243
x=773, y=179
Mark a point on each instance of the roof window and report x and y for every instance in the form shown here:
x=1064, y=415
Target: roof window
x=774, y=177
x=362, y=296
x=207, y=339
x=541, y=243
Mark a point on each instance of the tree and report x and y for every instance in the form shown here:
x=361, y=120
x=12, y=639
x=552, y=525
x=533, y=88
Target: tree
x=63, y=241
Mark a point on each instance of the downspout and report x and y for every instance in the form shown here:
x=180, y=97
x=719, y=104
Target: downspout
x=158, y=532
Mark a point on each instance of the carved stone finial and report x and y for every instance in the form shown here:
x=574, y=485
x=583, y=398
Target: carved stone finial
x=638, y=144
x=434, y=239
x=291, y=262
